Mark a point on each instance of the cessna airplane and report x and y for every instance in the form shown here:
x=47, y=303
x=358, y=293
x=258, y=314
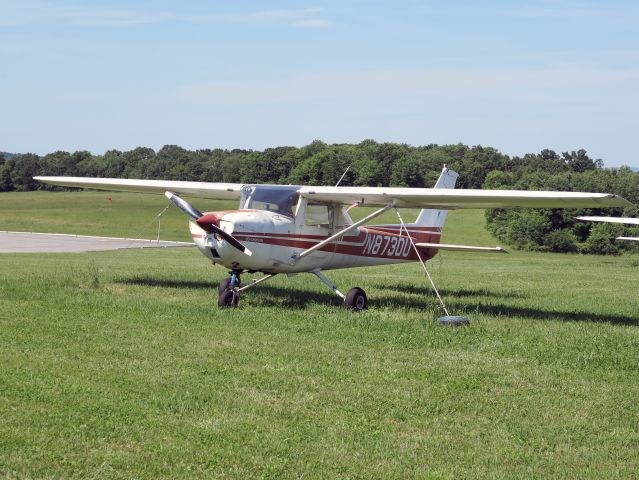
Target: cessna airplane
x=292, y=229
x=624, y=220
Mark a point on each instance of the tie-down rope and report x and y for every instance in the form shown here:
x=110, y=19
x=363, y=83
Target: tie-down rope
x=119, y=251
x=430, y=279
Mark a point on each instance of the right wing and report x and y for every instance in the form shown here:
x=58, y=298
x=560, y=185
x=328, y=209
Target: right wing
x=218, y=191
x=463, y=198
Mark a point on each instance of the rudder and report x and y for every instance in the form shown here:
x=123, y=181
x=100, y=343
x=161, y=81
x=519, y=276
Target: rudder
x=429, y=217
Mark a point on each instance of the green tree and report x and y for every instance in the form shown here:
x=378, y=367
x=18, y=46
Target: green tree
x=601, y=240
x=25, y=167
x=6, y=184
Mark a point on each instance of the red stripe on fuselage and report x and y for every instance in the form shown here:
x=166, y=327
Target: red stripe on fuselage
x=368, y=243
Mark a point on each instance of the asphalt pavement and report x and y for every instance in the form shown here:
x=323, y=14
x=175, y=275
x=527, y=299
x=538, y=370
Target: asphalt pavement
x=27, y=242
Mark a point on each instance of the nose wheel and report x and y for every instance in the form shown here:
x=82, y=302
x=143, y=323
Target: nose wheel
x=229, y=298
x=229, y=295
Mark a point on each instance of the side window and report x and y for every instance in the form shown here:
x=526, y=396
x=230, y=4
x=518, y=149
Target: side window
x=316, y=215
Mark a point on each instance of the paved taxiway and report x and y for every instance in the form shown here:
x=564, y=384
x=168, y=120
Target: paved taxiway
x=25, y=242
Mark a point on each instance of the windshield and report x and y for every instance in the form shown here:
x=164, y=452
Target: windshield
x=280, y=200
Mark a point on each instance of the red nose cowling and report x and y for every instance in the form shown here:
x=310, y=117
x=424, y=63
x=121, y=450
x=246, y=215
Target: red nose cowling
x=208, y=219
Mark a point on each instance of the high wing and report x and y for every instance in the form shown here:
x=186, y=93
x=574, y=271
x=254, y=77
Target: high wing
x=453, y=199
x=626, y=220
x=634, y=239
x=218, y=191
x=372, y=196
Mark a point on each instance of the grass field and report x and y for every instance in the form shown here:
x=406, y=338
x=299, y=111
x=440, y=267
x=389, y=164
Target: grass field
x=119, y=364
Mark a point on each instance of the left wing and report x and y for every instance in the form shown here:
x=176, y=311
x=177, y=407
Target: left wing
x=452, y=199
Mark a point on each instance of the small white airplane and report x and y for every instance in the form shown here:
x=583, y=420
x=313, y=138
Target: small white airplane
x=624, y=220
x=292, y=229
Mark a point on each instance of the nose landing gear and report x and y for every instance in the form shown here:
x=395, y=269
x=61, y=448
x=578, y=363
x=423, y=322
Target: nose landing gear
x=229, y=294
x=230, y=288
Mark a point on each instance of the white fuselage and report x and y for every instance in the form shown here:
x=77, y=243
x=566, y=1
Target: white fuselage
x=275, y=240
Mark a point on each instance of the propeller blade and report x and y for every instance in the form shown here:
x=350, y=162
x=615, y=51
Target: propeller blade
x=183, y=205
x=231, y=239
x=210, y=227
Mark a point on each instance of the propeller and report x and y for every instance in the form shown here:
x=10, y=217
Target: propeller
x=205, y=221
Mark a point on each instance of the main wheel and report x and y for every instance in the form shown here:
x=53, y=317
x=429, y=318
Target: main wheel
x=356, y=299
x=228, y=299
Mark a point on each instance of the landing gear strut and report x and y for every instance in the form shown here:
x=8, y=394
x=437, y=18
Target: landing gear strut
x=355, y=299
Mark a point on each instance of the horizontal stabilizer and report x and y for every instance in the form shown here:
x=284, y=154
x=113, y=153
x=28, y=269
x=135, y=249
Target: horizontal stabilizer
x=461, y=248
x=625, y=220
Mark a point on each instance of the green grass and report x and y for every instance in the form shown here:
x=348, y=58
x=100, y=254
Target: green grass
x=118, y=364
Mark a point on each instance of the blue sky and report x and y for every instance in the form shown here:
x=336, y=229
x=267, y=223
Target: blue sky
x=517, y=75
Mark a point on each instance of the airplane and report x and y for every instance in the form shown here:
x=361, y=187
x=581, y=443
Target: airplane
x=291, y=229
x=624, y=220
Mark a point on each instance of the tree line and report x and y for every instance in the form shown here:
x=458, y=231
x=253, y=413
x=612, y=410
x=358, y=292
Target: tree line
x=375, y=164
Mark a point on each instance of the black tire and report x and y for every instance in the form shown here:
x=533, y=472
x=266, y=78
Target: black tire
x=356, y=299
x=225, y=284
x=228, y=299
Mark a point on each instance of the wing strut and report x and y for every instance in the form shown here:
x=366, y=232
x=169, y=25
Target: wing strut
x=332, y=238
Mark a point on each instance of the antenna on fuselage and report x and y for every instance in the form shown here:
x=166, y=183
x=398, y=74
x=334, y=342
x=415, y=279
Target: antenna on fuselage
x=342, y=177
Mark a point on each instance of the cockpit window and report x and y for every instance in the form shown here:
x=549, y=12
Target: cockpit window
x=280, y=200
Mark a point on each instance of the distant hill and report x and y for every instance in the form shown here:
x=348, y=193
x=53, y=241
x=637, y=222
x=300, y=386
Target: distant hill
x=8, y=155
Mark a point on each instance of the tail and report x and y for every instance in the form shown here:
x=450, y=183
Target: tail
x=429, y=217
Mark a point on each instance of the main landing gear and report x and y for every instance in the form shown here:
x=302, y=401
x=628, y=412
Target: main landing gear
x=230, y=288
x=355, y=299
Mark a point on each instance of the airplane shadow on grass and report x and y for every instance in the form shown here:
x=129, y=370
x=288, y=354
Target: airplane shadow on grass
x=459, y=292
x=267, y=295
x=539, y=314
x=419, y=299
x=167, y=283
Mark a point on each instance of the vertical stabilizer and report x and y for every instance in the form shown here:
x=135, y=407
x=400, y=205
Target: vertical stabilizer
x=435, y=218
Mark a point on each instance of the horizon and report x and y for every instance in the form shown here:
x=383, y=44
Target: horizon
x=556, y=74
